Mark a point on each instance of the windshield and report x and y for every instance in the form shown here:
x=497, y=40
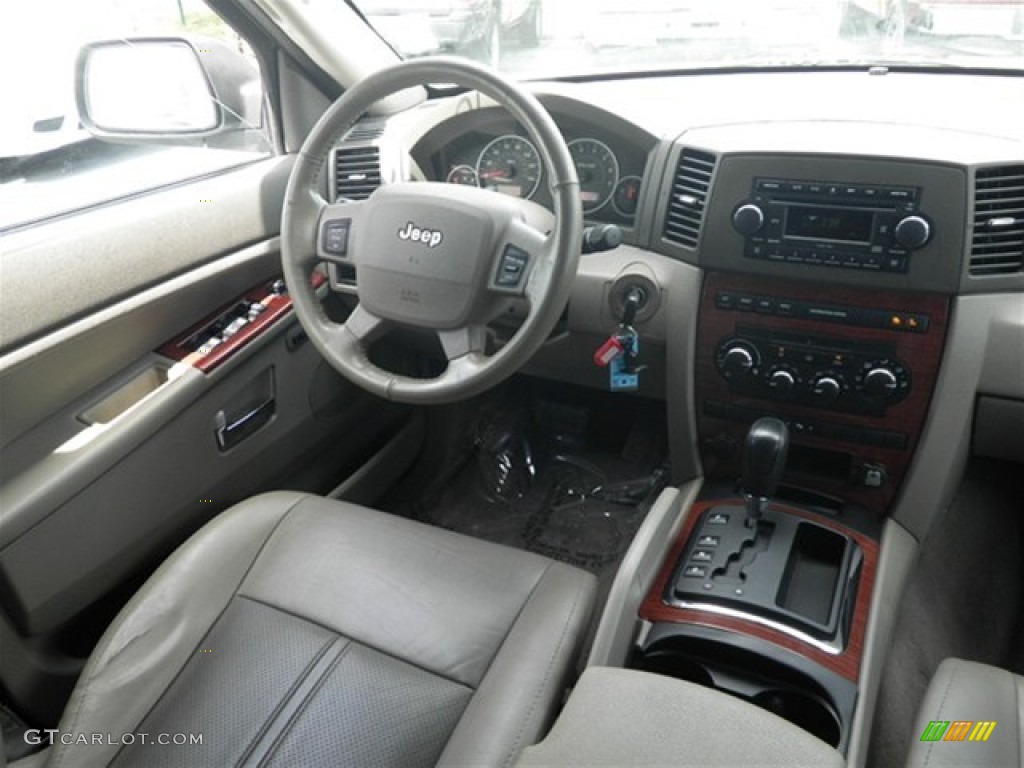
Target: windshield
x=546, y=38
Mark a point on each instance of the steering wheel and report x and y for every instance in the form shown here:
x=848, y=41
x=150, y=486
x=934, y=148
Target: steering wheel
x=438, y=257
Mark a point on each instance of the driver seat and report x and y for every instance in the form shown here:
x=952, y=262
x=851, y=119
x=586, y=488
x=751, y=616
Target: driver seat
x=295, y=630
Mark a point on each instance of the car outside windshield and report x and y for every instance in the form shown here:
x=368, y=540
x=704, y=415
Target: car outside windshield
x=533, y=39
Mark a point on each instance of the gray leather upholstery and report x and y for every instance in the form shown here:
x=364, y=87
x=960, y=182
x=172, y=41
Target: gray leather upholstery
x=621, y=717
x=295, y=630
x=963, y=692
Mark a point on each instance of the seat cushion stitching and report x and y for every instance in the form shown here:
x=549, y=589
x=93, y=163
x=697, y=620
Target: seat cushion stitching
x=296, y=684
x=92, y=676
x=359, y=642
x=275, y=744
x=547, y=676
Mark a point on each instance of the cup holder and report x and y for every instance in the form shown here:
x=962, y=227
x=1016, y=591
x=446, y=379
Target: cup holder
x=809, y=712
x=821, y=708
x=679, y=667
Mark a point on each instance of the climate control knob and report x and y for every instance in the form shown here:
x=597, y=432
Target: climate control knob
x=782, y=382
x=748, y=219
x=826, y=388
x=737, y=358
x=880, y=383
x=913, y=232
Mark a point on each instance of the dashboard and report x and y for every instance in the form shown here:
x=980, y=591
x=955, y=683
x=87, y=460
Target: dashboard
x=808, y=244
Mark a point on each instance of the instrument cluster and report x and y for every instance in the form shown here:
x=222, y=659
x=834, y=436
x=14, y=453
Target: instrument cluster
x=501, y=158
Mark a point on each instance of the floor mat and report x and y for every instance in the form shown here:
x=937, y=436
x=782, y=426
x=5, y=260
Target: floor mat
x=551, y=477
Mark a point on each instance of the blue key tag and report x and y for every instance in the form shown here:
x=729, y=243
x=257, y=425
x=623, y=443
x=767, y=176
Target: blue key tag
x=623, y=373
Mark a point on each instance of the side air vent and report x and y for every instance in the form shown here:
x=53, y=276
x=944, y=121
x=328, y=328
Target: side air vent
x=997, y=243
x=365, y=130
x=689, y=197
x=356, y=172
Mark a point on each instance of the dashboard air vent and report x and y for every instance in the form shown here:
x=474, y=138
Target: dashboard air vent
x=365, y=130
x=997, y=243
x=689, y=197
x=356, y=172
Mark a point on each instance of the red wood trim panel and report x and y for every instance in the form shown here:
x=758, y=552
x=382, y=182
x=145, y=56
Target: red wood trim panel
x=847, y=664
x=187, y=347
x=920, y=352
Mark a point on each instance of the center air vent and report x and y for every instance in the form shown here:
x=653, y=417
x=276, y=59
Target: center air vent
x=997, y=243
x=689, y=197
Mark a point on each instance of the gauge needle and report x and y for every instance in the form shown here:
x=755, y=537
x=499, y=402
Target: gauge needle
x=498, y=174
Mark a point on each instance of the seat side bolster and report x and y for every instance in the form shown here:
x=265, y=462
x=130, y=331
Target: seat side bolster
x=157, y=632
x=962, y=691
x=528, y=676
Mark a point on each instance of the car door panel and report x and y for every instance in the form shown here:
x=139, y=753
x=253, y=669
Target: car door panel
x=87, y=508
x=83, y=261
x=124, y=501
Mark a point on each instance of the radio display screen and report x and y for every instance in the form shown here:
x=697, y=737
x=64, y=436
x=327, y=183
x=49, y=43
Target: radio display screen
x=821, y=223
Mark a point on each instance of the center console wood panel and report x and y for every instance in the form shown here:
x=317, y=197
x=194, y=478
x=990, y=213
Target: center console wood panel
x=721, y=436
x=846, y=664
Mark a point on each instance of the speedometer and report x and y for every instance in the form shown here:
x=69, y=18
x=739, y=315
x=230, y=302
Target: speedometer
x=510, y=164
x=598, y=169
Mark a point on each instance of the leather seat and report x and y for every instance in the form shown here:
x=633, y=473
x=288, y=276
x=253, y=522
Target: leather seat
x=954, y=724
x=294, y=630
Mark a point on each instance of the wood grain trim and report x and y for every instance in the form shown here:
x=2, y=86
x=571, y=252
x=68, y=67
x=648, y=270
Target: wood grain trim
x=921, y=352
x=277, y=306
x=847, y=664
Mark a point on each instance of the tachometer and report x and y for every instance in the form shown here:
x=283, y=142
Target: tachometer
x=598, y=169
x=511, y=165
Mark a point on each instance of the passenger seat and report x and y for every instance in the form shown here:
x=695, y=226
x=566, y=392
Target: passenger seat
x=971, y=715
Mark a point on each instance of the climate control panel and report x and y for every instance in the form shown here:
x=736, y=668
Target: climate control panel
x=816, y=371
x=851, y=372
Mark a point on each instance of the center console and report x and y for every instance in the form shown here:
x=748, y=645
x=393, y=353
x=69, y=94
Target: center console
x=765, y=592
x=770, y=603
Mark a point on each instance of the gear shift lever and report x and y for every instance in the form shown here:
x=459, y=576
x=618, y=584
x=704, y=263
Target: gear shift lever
x=764, y=460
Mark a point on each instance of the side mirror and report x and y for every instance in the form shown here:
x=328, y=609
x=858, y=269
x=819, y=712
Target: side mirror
x=143, y=89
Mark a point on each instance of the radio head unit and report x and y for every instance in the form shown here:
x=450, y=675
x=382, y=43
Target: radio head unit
x=854, y=226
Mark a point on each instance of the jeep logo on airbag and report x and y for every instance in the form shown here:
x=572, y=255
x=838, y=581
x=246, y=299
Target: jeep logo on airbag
x=429, y=237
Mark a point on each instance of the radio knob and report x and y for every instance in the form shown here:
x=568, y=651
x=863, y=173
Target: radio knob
x=737, y=358
x=913, y=232
x=827, y=388
x=782, y=382
x=880, y=383
x=748, y=219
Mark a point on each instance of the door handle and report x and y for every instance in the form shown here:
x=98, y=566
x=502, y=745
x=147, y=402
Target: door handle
x=230, y=435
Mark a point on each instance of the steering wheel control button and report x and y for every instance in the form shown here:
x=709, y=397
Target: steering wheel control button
x=511, y=267
x=336, y=237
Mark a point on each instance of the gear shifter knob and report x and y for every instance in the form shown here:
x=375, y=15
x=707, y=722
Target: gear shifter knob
x=764, y=460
